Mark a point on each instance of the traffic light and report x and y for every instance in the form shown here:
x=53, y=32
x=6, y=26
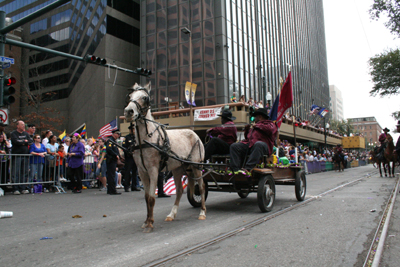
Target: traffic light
x=143, y=72
x=8, y=91
x=96, y=60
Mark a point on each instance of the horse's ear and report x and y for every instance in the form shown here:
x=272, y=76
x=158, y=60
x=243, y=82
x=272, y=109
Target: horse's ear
x=148, y=87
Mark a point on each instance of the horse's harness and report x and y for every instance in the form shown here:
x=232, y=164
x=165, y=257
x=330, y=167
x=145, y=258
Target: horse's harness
x=165, y=147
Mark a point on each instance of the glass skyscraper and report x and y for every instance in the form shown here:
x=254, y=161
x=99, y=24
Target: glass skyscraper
x=241, y=46
x=107, y=28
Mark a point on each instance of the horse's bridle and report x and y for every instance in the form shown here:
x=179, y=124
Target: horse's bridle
x=142, y=110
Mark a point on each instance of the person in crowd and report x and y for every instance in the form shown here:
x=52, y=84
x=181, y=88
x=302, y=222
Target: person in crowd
x=67, y=142
x=52, y=148
x=242, y=99
x=233, y=98
x=251, y=102
x=4, y=158
x=59, y=162
x=130, y=169
x=45, y=137
x=259, y=141
x=75, y=156
x=102, y=166
x=310, y=156
x=31, y=130
x=20, y=161
x=224, y=136
x=112, y=159
x=88, y=160
x=2, y=128
x=96, y=155
x=162, y=176
x=38, y=152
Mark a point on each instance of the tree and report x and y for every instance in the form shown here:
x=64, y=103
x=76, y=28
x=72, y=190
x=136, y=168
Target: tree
x=342, y=127
x=385, y=72
x=389, y=9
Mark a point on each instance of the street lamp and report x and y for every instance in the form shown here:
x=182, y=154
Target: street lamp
x=325, y=133
x=268, y=98
x=185, y=30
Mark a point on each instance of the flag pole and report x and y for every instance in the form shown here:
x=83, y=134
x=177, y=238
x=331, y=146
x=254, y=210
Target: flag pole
x=277, y=135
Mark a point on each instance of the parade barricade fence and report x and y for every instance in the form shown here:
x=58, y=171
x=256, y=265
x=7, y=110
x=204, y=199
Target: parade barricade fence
x=28, y=170
x=321, y=166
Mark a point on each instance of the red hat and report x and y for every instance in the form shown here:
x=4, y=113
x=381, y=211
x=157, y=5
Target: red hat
x=292, y=155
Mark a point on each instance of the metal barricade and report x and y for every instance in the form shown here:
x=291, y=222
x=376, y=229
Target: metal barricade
x=24, y=171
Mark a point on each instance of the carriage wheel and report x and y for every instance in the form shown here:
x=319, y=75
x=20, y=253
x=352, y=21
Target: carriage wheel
x=266, y=193
x=243, y=193
x=300, y=186
x=195, y=200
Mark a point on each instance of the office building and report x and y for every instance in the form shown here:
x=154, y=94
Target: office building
x=336, y=103
x=369, y=127
x=236, y=46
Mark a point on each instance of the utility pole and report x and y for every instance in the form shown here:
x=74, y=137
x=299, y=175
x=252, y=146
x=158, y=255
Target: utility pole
x=2, y=39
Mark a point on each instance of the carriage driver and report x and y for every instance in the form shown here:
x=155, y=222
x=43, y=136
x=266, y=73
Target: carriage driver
x=259, y=142
x=226, y=136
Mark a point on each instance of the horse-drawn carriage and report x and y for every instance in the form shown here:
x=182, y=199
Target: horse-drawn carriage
x=261, y=181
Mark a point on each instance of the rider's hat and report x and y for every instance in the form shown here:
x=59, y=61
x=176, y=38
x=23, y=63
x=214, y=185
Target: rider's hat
x=386, y=130
x=263, y=112
x=227, y=114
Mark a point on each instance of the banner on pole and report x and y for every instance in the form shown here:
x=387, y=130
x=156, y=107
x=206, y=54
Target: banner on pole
x=187, y=92
x=208, y=114
x=194, y=87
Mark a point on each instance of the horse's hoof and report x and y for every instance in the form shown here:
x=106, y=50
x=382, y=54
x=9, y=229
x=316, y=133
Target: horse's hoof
x=169, y=219
x=144, y=225
x=202, y=217
x=148, y=230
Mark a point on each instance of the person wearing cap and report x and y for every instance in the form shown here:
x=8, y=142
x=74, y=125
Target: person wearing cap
x=112, y=156
x=130, y=169
x=259, y=142
x=74, y=163
x=225, y=136
x=383, y=135
x=31, y=130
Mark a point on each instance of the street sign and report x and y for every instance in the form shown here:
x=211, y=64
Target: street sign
x=7, y=59
x=4, y=115
x=6, y=65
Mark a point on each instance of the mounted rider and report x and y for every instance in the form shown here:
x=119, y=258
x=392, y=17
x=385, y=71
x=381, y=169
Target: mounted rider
x=382, y=140
x=226, y=135
x=259, y=142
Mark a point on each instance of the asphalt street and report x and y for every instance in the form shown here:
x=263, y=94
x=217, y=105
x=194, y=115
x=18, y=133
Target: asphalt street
x=334, y=230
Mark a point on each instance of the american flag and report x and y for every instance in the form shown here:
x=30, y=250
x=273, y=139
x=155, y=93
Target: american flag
x=169, y=187
x=106, y=130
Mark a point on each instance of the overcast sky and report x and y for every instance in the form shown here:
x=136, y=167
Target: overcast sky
x=352, y=38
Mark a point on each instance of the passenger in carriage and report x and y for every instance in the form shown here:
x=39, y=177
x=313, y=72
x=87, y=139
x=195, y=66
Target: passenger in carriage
x=224, y=136
x=259, y=142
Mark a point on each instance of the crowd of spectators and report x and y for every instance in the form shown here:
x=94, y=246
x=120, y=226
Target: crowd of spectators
x=31, y=158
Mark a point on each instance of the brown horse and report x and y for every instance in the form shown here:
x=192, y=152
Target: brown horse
x=389, y=154
x=176, y=145
x=379, y=161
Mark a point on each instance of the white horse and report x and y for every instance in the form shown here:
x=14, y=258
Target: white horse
x=183, y=144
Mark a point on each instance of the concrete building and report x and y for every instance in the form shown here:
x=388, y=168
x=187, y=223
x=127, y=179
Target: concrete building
x=368, y=127
x=236, y=45
x=336, y=103
x=81, y=93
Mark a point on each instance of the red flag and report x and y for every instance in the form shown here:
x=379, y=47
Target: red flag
x=286, y=99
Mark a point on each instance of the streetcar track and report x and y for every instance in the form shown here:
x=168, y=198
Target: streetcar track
x=374, y=256
x=250, y=225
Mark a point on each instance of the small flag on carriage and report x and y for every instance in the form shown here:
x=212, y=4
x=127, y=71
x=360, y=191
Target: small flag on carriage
x=286, y=99
x=169, y=187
